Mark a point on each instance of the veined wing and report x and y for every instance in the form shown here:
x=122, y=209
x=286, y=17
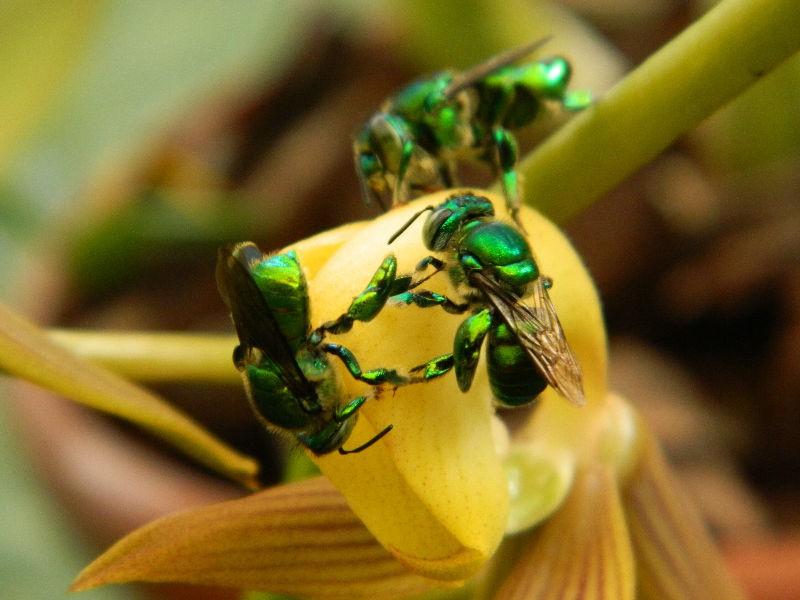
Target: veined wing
x=478, y=72
x=539, y=332
x=253, y=318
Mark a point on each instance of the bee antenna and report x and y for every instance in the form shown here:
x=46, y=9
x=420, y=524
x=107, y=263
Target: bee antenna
x=400, y=231
x=368, y=443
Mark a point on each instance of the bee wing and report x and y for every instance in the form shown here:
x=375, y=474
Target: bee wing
x=478, y=72
x=253, y=318
x=539, y=332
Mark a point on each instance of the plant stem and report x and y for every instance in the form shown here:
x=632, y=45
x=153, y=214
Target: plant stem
x=711, y=62
x=156, y=356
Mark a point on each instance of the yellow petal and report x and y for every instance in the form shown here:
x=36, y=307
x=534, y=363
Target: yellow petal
x=299, y=539
x=676, y=559
x=560, y=435
x=434, y=491
x=315, y=251
x=582, y=552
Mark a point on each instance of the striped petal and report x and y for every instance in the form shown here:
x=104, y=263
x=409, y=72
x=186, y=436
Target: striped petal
x=299, y=539
x=676, y=558
x=582, y=552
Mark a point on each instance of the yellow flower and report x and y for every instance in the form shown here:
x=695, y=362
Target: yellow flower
x=562, y=502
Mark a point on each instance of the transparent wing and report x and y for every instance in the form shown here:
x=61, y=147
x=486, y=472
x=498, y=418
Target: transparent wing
x=253, y=318
x=539, y=332
x=478, y=72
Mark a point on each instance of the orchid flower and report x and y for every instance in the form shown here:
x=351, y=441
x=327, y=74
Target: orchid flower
x=551, y=501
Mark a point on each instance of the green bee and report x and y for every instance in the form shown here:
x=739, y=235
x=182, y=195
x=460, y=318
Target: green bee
x=494, y=270
x=412, y=145
x=290, y=383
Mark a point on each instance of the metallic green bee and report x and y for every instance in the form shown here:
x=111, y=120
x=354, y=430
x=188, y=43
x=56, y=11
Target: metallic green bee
x=410, y=147
x=493, y=268
x=284, y=363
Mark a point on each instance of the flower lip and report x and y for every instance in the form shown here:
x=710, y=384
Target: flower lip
x=434, y=491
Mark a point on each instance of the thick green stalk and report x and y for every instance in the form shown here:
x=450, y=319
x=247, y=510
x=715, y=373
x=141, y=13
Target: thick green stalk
x=155, y=356
x=710, y=63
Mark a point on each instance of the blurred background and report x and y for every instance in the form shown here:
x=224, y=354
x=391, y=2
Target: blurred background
x=136, y=137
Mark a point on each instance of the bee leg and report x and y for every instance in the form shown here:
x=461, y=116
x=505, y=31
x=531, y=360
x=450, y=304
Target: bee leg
x=347, y=412
x=349, y=409
x=405, y=283
x=548, y=79
x=436, y=367
x=376, y=377
x=505, y=157
x=369, y=167
x=371, y=301
x=426, y=299
x=467, y=346
x=394, y=141
x=432, y=261
x=577, y=100
x=367, y=304
x=401, y=193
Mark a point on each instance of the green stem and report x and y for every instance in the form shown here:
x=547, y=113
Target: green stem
x=155, y=356
x=731, y=47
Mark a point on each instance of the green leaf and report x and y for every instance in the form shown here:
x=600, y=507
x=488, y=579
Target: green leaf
x=148, y=61
x=39, y=45
x=27, y=352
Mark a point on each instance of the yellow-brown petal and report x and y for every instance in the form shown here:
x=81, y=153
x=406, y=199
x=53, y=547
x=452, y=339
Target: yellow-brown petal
x=299, y=539
x=581, y=553
x=676, y=559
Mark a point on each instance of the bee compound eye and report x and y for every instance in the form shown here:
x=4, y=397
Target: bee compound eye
x=438, y=229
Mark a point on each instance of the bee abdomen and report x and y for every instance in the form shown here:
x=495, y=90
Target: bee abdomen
x=514, y=379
